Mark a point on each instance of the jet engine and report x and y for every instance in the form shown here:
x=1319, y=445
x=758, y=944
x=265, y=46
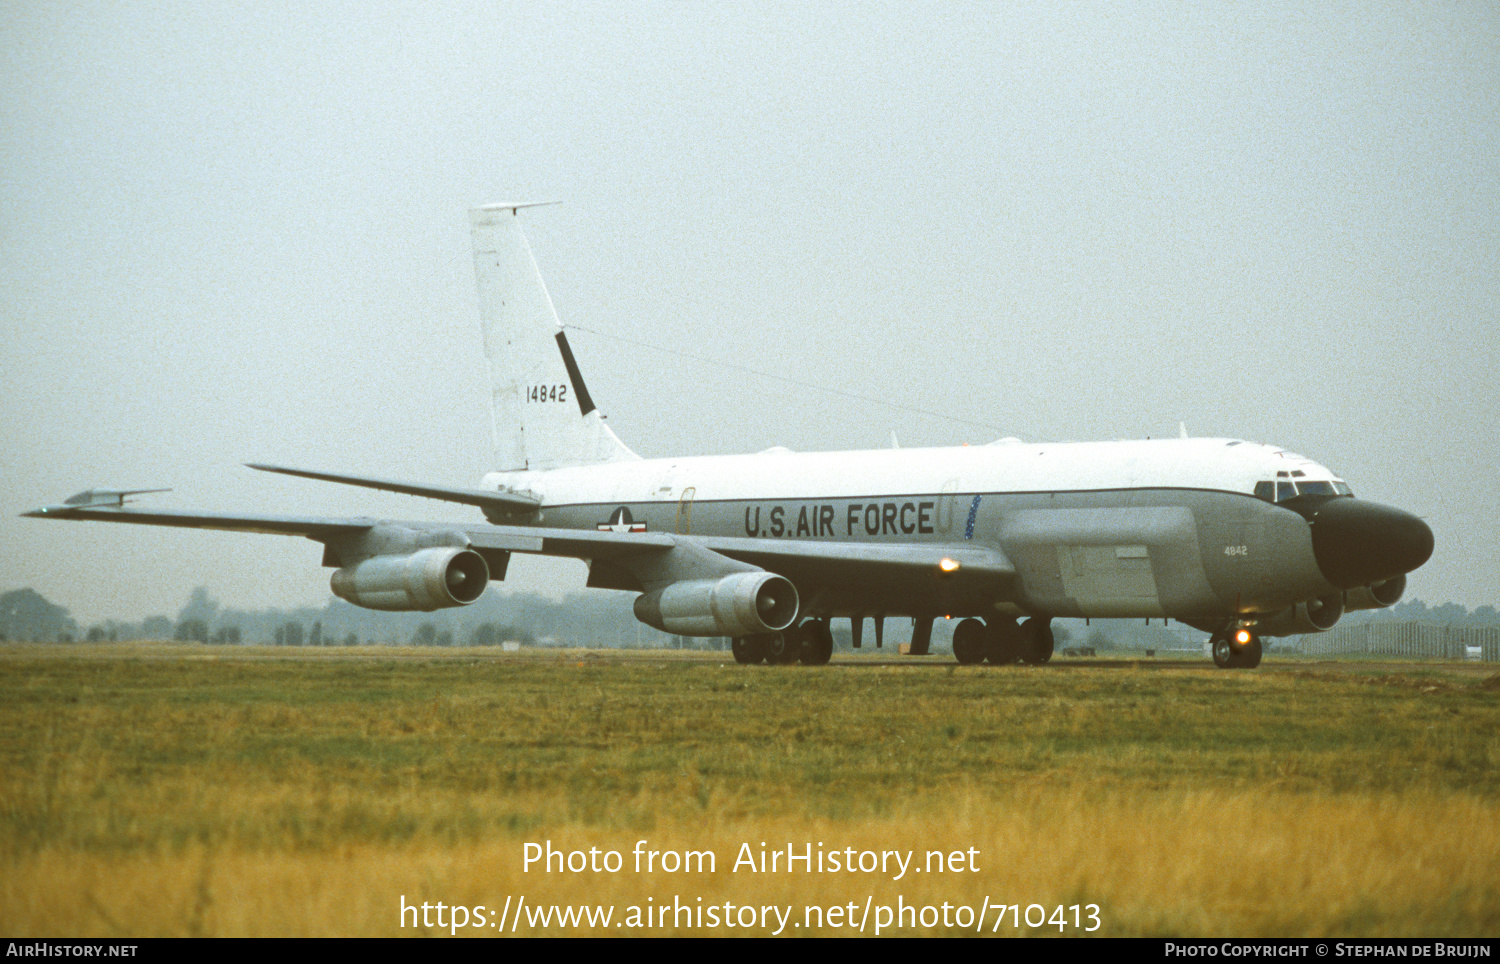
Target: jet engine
x=1310, y=617
x=427, y=579
x=741, y=604
x=1378, y=596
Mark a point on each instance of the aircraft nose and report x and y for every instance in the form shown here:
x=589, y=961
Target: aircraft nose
x=1359, y=543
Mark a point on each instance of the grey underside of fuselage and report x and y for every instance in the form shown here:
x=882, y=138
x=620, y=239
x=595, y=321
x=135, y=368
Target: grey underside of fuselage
x=1180, y=553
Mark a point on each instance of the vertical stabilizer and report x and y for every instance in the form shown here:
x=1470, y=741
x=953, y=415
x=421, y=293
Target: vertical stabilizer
x=543, y=417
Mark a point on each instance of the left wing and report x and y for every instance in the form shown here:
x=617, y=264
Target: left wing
x=385, y=564
x=108, y=506
x=483, y=498
x=392, y=564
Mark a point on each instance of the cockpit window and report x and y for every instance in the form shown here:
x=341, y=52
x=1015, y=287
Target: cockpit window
x=1283, y=489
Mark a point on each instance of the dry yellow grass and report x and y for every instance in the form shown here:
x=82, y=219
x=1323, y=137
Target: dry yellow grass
x=1205, y=863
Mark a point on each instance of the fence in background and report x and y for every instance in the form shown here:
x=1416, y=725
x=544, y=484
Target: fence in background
x=1432, y=640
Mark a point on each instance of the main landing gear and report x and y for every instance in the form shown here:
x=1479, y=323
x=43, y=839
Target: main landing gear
x=810, y=644
x=1236, y=649
x=1001, y=642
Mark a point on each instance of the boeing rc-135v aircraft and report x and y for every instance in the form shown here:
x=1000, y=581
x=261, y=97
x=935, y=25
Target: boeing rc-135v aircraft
x=1237, y=539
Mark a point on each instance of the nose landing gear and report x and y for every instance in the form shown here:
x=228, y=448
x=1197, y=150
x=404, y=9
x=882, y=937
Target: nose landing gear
x=1236, y=649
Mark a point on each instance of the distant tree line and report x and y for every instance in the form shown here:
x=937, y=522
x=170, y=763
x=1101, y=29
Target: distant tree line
x=599, y=619
x=25, y=615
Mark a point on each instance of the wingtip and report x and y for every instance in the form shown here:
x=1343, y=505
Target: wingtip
x=516, y=206
x=89, y=499
x=281, y=469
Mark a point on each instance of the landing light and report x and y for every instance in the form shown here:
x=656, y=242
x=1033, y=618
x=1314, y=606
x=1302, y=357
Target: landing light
x=1242, y=636
x=948, y=565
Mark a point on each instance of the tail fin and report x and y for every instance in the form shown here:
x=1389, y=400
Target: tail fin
x=543, y=417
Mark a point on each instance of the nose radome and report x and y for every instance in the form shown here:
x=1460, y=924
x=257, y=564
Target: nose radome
x=1359, y=543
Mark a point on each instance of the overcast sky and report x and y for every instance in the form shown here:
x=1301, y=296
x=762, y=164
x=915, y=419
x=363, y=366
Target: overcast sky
x=237, y=232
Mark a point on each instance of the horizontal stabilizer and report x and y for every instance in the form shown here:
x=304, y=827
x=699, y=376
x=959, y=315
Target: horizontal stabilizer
x=484, y=499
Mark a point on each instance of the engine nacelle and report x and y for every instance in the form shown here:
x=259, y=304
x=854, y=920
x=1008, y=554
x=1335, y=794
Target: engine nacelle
x=741, y=604
x=1315, y=617
x=1378, y=596
x=424, y=580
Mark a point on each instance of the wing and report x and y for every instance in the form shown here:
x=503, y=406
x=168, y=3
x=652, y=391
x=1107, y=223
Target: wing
x=96, y=506
x=483, y=498
x=851, y=579
x=109, y=506
x=831, y=578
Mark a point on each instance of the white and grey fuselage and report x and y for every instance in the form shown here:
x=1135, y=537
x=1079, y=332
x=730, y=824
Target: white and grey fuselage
x=1200, y=530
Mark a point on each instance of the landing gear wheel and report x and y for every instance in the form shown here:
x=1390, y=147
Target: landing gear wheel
x=969, y=641
x=1224, y=655
x=1002, y=646
x=749, y=650
x=817, y=643
x=1036, y=641
x=783, y=648
x=1250, y=653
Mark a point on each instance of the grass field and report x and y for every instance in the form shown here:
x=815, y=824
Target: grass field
x=159, y=790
